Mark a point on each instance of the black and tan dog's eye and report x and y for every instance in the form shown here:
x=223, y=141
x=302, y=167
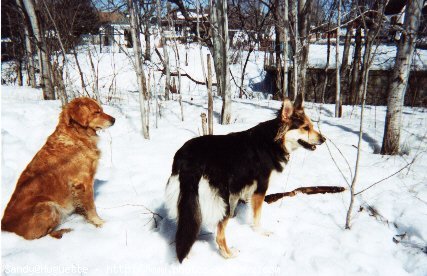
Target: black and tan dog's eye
x=306, y=128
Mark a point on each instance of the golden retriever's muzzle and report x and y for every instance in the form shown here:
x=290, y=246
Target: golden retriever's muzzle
x=102, y=121
x=110, y=118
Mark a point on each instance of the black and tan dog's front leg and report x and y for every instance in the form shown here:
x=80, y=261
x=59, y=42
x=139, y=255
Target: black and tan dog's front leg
x=256, y=201
x=85, y=203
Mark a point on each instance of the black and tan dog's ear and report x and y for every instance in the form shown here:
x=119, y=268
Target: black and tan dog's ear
x=287, y=110
x=299, y=102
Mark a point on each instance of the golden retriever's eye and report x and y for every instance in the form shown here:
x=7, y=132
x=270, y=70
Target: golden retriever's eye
x=97, y=112
x=306, y=128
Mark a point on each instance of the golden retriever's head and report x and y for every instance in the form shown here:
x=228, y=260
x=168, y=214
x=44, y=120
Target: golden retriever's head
x=86, y=113
x=297, y=130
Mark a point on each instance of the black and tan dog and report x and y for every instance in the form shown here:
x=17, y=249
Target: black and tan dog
x=211, y=173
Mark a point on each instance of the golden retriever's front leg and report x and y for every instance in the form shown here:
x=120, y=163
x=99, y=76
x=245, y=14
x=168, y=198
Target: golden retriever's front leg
x=84, y=201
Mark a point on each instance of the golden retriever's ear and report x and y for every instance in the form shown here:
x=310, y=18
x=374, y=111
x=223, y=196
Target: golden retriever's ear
x=65, y=117
x=77, y=113
x=287, y=110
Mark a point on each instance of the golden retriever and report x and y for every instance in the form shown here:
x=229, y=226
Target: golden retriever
x=59, y=180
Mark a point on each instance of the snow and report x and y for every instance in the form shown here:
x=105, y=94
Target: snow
x=308, y=230
x=384, y=56
x=191, y=15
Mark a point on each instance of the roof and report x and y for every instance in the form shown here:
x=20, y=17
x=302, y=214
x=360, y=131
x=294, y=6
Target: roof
x=113, y=18
x=191, y=15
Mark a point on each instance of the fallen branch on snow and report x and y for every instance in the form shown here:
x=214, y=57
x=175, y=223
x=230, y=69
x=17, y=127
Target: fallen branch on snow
x=304, y=190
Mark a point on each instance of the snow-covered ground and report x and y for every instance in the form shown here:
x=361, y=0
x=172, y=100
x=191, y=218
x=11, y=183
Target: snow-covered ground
x=137, y=239
x=309, y=236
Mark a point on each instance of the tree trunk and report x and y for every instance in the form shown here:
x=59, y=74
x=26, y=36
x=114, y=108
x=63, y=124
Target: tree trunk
x=338, y=107
x=277, y=50
x=199, y=41
x=19, y=72
x=216, y=45
x=328, y=57
x=296, y=48
x=285, y=47
x=355, y=72
x=82, y=80
x=344, y=64
x=359, y=145
x=45, y=67
x=304, y=10
x=28, y=51
x=147, y=38
x=363, y=90
x=242, y=79
x=95, y=78
x=178, y=61
x=30, y=60
x=221, y=7
x=346, y=51
x=367, y=61
x=365, y=64
x=165, y=50
x=139, y=69
x=210, y=98
x=400, y=75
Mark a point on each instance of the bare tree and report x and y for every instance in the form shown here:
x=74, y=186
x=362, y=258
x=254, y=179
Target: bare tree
x=296, y=46
x=166, y=67
x=277, y=47
x=368, y=57
x=199, y=39
x=355, y=71
x=44, y=59
x=220, y=42
x=400, y=75
x=28, y=48
x=285, y=47
x=304, y=11
x=338, y=107
x=225, y=72
x=148, y=9
x=140, y=75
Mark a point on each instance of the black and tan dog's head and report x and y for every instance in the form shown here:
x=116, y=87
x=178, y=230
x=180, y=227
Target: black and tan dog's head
x=86, y=113
x=297, y=129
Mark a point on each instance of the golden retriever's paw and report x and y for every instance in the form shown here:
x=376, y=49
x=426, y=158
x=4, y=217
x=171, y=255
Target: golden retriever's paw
x=97, y=221
x=57, y=234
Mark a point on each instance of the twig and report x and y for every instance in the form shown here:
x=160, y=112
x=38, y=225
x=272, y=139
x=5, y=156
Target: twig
x=343, y=156
x=133, y=205
x=333, y=159
x=407, y=165
x=304, y=190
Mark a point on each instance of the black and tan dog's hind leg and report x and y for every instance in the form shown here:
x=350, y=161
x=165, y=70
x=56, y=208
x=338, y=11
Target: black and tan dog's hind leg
x=256, y=202
x=225, y=251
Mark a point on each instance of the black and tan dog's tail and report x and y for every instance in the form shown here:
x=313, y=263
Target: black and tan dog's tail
x=189, y=215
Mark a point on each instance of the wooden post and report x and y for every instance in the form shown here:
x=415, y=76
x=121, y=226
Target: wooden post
x=204, y=129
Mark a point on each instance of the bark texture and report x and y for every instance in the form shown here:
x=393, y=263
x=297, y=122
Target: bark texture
x=400, y=75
